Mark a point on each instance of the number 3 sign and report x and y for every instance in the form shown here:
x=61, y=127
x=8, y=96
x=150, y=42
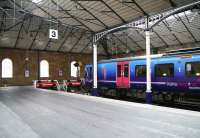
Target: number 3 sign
x=53, y=34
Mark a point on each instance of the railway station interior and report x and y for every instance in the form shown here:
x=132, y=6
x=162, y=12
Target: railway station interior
x=99, y=68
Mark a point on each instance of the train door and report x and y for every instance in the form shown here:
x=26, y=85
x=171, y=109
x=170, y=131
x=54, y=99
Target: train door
x=123, y=76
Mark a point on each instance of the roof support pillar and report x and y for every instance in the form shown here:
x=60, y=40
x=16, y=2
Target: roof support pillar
x=94, y=91
x=148, y=65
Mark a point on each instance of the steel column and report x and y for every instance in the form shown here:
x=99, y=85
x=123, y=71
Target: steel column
x=94, y=92
x=38, y=64
x=148, y=65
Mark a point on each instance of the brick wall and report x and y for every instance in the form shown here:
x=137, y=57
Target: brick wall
x=23, y=59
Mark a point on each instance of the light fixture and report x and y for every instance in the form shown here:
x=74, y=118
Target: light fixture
x=26, y=59
x=164, y=74
x=197, y=74
x=36, y=1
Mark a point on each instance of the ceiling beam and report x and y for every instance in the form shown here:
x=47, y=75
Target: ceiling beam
x=141, y=9
x=12, y=26
x=128, y=48
x=39, y=28
x=104, y=44
x=47, y=45
x=135, y=42
x=86, y=46
x=188, y=30
x=92, y=14
x=65, y=39
x=19, y=32
x=50, y=40
x=170, y=30
x=113, y=11
x=2, y=22
x=55, y=19
x=161, y=38
x=172, y=3
x=71, y=15
x=29, y=23
x=65, y=32
x=144, y=38
x=79, y=39
x=105, y=47
x=146, y=14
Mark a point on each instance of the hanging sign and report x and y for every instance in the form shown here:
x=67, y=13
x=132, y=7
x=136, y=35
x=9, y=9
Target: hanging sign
x=26, y=73
x=53, y=34
x=60, y=73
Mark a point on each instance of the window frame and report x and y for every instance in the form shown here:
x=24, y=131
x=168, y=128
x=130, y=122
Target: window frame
x=126, y=74
x=91, y=73
x=48, y=67
x=119, y=74
x=136, y=72
x=77, y=69
x=186, y=68
x=164, y=76
x=12, y=69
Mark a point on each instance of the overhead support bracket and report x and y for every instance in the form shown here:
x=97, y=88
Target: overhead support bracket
x=135, y=24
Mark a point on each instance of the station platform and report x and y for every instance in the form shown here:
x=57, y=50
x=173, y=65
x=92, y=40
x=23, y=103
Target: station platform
x=26, y=112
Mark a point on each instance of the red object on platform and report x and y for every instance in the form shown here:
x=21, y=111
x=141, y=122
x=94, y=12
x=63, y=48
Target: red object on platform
x=46, y=84
x=74, y=83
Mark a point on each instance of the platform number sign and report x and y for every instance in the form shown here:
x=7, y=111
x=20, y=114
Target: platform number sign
x=53, y=34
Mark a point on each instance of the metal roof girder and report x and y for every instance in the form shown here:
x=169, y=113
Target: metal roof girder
x=134, y=24
x=175, y=11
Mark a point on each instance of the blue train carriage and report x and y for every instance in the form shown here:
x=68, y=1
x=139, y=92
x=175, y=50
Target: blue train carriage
x=171, y=75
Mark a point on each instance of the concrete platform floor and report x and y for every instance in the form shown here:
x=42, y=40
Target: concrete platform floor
x=26, y=112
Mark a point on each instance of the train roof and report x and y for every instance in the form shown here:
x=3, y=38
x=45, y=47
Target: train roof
x=174, y=53
x=165, y=55
x=130, y=58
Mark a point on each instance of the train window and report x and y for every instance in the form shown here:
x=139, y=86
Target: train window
x=140, y=71
x=104, y=73
x=193, y=69
x=91, y=71
x=164, y=70
x=126, y=70
x=85, y=73
x=119, y=68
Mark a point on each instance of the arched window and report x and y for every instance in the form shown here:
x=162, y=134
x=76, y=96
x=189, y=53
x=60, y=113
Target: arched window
x=44, y=68
x=75, y=70
x=7, y=68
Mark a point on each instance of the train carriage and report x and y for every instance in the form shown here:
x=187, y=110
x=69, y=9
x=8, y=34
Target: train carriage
x=169, y=74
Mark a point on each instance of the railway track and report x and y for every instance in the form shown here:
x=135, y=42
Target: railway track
x=187, y=105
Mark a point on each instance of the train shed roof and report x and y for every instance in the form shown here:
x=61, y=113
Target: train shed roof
x=25, y=25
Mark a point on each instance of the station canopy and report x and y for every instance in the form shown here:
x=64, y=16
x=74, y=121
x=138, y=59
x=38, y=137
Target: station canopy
x=25, y=24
